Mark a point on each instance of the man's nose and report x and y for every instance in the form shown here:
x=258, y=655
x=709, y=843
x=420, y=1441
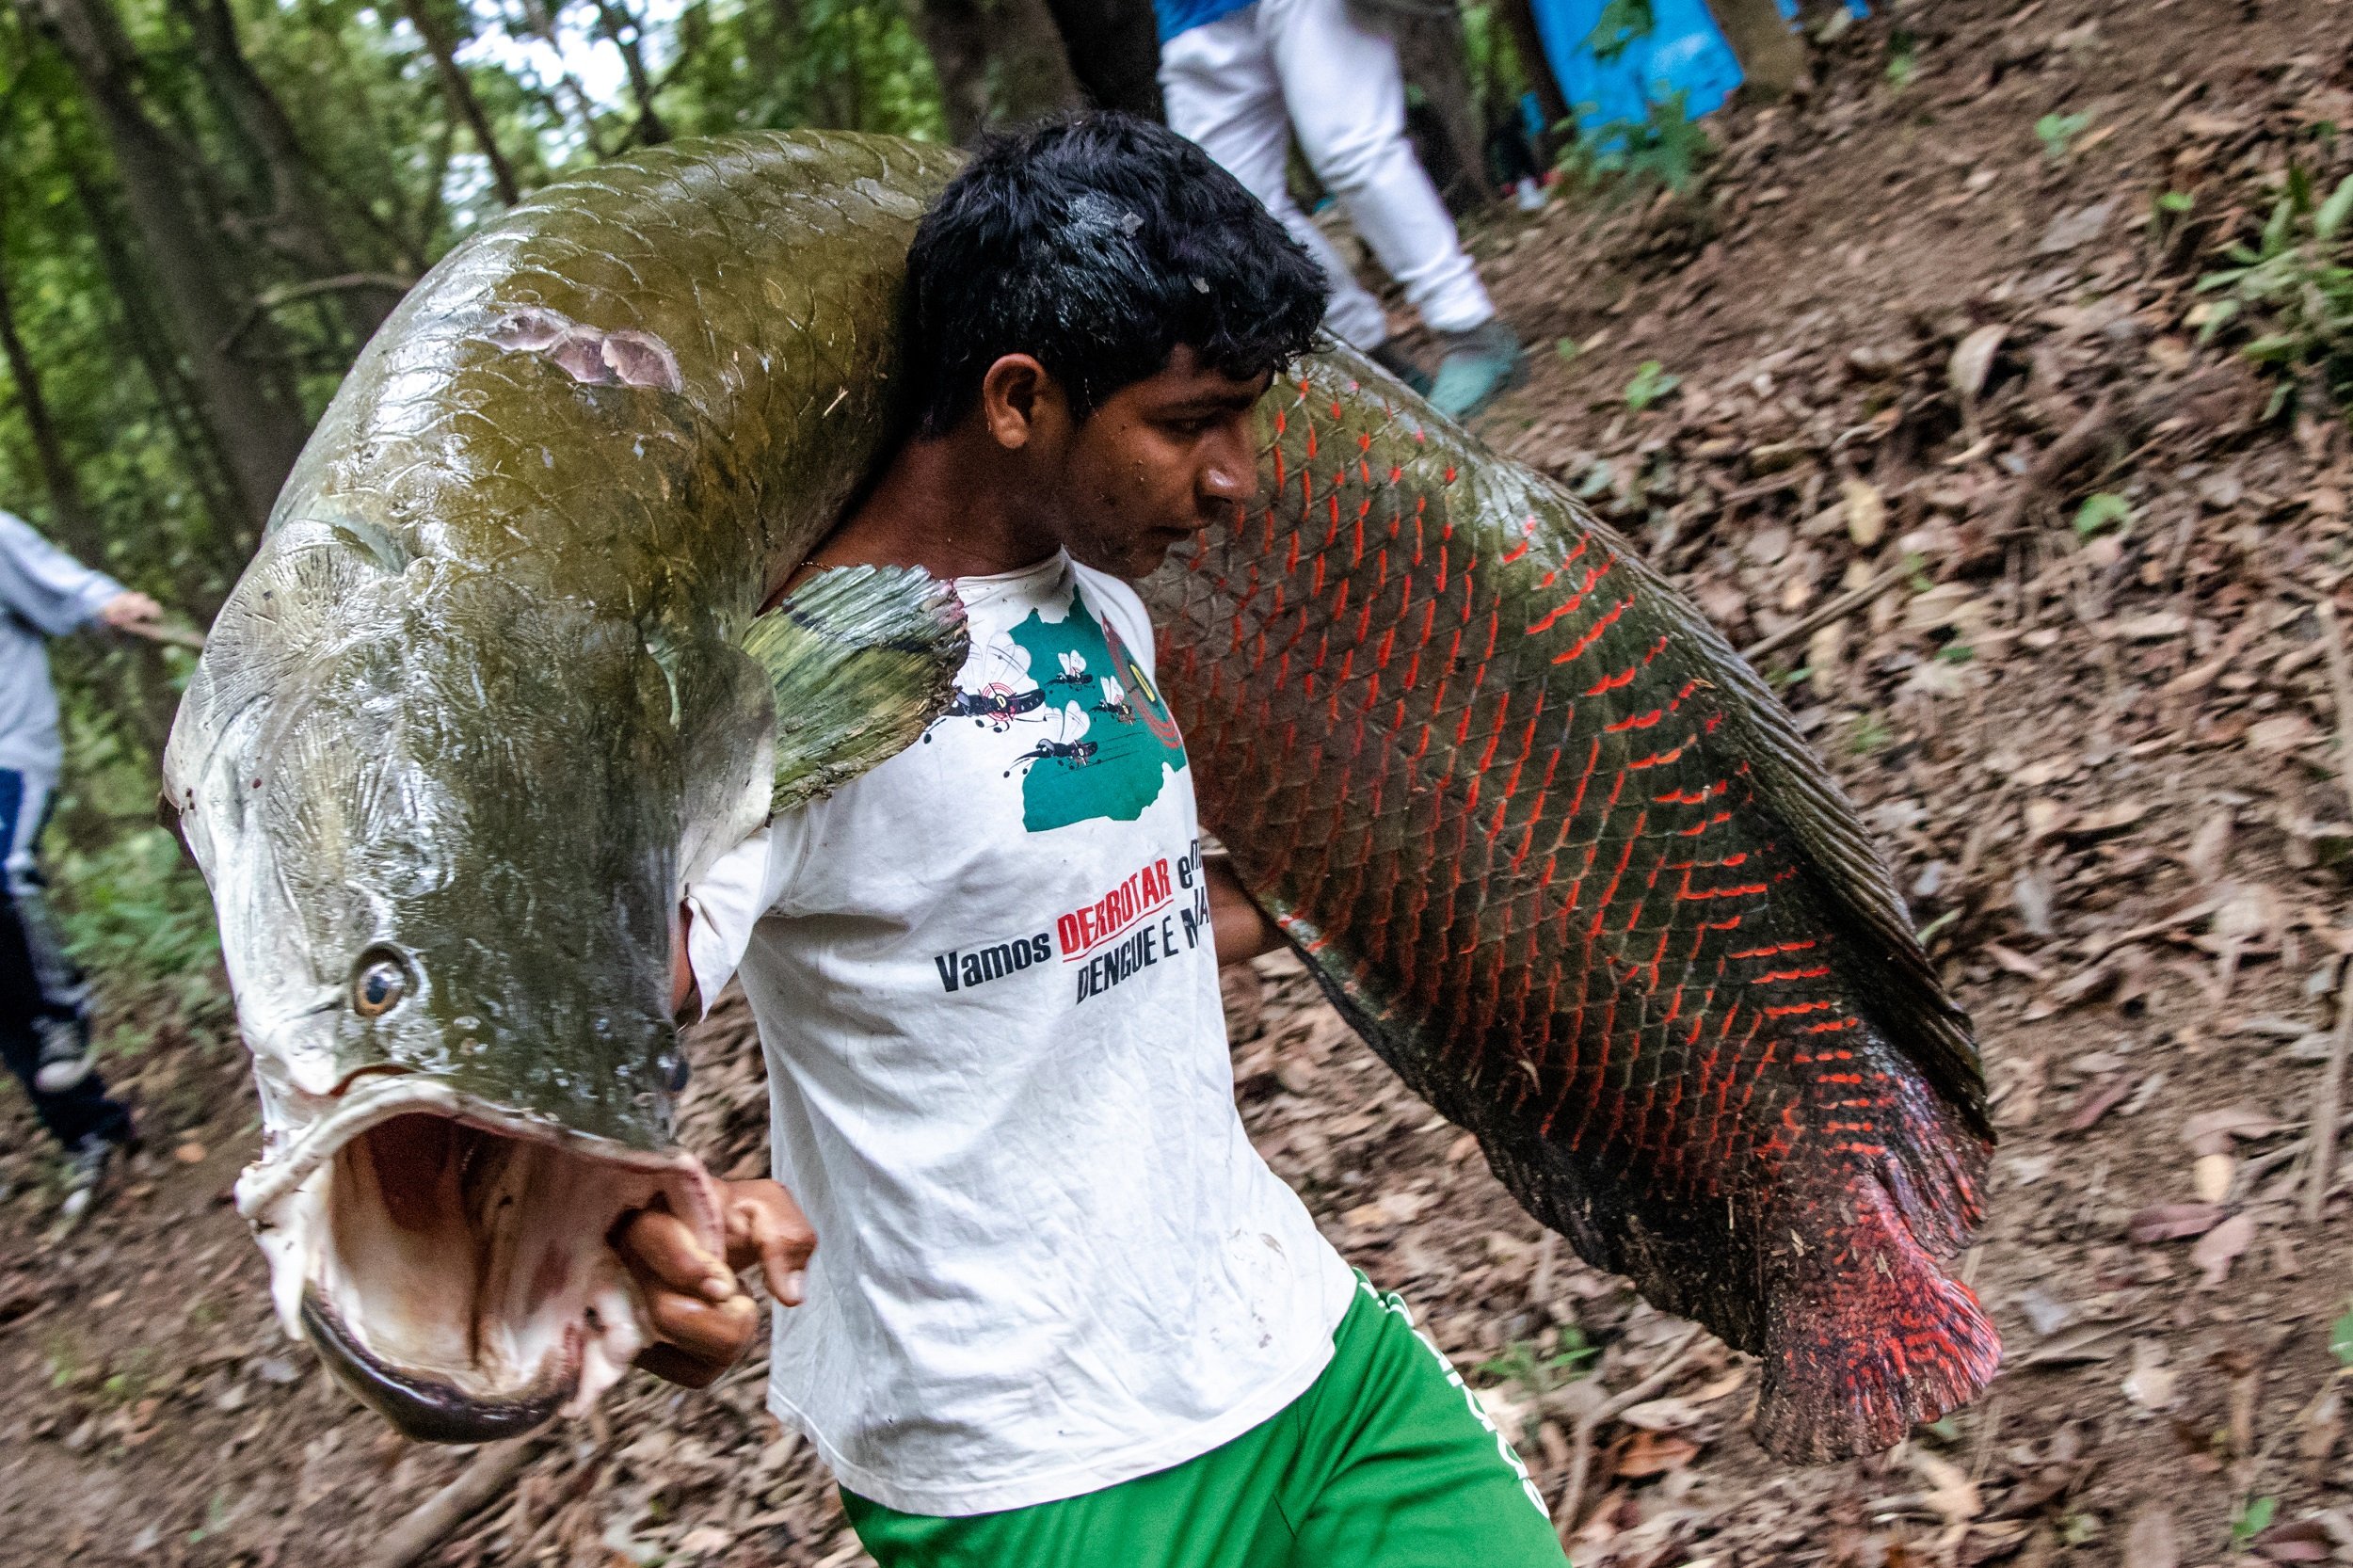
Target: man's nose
x=1230, y=477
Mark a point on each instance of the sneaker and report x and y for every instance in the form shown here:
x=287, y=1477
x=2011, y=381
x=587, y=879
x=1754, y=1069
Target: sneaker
x=86, y=1166
x=1401, y=365
x=67, y=1055
x=1477, y=364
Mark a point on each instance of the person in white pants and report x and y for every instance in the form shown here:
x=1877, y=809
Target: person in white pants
x=1240, y=77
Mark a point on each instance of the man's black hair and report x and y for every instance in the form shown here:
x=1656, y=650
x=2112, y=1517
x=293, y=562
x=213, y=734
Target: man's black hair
x=1096, y=243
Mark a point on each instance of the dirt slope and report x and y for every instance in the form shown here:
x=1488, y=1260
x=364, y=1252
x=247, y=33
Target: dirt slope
x=1912, y=332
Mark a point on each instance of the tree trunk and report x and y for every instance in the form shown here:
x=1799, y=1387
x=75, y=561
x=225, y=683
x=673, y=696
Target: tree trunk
x=460, y=93
x=1519, y=17
x=614, y=21
x=542, y=22
x=998, y=61
x=1771, y=55
x=293, y=226
x=252, y=418
x=174, y=400
x=1430, y=47
x=1114, y=50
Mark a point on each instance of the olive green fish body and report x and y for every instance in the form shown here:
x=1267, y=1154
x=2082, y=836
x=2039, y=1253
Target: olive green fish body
x=482, y=704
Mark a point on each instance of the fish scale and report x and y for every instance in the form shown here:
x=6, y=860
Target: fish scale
x=1500, y=785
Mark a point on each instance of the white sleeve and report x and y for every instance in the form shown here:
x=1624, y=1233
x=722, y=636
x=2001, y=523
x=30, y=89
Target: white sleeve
x=49, y=589
x=733, y=892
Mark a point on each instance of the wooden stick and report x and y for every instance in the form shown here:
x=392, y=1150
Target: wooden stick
x=1572, y=1501
x=494, y=1464
x=2325, y=1099
x=1837, y=608
x=156, y=632
x=2341, y=685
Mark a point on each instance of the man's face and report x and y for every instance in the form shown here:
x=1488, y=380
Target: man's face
x=1158, y=461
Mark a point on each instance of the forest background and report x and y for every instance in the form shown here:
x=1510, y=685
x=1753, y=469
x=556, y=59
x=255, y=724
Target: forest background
x=207, y=206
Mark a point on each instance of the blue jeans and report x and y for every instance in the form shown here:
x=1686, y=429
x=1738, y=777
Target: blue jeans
x=36, y=979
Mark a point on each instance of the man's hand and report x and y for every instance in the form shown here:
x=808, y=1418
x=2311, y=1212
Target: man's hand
x=128, y=610
x=1240, y=927
x=703, y=1320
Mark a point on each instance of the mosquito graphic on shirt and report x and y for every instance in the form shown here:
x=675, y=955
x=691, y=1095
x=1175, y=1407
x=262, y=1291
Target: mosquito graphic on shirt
x=1065, y=742
x=1005, y=694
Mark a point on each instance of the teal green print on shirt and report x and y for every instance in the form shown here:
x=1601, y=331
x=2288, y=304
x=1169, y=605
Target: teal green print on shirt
x=1106, y=743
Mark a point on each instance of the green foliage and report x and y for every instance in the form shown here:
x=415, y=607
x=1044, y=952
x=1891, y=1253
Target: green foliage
x=1871, y=734
x=1620, y=23
x=1627, y=157
x=2249, y=1518
x=2341, y=1339
x=2102, y=509
x=1537, y=1372
x=1651, y=384
x=1903, y=59
x=2295, y=287
x=2058, y=133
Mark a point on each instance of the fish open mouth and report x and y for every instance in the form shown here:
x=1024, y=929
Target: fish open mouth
x=451, y=1264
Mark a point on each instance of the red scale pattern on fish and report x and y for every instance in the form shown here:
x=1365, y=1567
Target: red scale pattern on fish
x=1472, y=753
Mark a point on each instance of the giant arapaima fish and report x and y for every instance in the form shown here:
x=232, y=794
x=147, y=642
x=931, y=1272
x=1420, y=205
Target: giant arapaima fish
x=498, y=683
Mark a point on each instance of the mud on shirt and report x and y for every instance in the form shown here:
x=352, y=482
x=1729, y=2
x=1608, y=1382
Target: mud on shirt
x=1049, y=1259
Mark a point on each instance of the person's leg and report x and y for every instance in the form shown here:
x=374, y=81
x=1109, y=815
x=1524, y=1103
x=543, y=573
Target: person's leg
x=1218, y=84
x=1401, y=1467
x=1346, y=97
x=31, y=980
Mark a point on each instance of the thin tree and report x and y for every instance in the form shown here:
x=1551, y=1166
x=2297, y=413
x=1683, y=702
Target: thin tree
x=293, y=223
x=71, y=511
x=615, y=23
x=1114, y=50
x=997, y=60
x=251, y=415
x=462, y=100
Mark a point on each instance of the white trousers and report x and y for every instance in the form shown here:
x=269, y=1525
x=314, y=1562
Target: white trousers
x=1240, y=85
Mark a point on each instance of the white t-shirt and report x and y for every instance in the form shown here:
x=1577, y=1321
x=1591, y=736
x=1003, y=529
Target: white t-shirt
x=1049, y=1259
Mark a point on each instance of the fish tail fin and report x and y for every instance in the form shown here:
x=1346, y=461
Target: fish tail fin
x=1870, y=1338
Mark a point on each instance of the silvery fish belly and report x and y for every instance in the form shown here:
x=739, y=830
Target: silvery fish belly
x=485, y=699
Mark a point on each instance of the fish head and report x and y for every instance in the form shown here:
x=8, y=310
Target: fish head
x=440, y=812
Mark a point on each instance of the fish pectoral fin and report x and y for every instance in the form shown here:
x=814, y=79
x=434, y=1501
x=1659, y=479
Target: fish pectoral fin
x=859, y=659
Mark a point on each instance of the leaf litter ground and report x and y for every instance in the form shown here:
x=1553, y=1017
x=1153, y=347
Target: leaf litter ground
x=1926, y=350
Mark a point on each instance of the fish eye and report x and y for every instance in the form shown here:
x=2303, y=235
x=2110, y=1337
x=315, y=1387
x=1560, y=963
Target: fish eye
x=378, y=984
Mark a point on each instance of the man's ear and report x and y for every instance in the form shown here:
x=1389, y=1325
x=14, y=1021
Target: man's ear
x=1020, y=400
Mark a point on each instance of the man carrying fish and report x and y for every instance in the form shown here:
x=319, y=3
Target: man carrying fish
x=1058, y=1310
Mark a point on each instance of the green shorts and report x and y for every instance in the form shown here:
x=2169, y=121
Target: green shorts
x=1384, y=1462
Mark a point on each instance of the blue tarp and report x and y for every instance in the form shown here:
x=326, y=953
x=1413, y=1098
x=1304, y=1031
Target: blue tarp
x=1682, y=52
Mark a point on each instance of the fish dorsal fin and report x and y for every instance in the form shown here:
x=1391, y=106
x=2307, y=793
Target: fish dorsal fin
x=860, y=659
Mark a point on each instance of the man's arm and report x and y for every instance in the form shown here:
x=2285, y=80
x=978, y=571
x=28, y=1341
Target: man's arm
x=703, y=1320
x=1240, y=927
x=55, y=593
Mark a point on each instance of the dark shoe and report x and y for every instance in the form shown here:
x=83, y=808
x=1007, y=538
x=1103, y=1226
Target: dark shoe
x=1477, y=365
x=1401, y=365
x=86, y=1166
x=67, y=1055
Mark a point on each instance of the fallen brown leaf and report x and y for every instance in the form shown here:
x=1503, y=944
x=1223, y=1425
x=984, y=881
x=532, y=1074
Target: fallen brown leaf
x=2172, y=1221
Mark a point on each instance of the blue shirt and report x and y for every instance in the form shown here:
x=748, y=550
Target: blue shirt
x=1183, y=16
